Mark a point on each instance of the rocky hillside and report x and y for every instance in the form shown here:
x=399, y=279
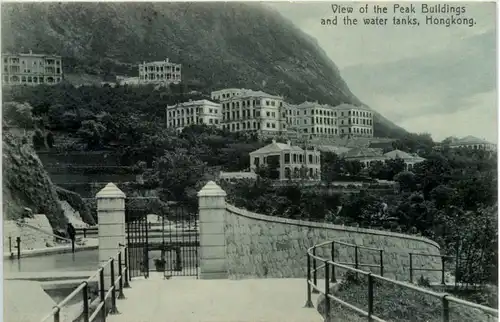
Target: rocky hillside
x=27, y=184
x=218, y=44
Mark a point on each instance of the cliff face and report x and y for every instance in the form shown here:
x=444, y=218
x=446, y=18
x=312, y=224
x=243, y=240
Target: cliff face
x=26, y=184
x=218, y=44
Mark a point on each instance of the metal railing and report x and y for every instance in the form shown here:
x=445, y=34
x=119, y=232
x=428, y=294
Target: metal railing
x=100, y=302
x=442, y=269
x=329, y=264
x=87, y=231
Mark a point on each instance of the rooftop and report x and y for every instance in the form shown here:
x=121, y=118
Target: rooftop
x=364, y=153
x=30, y=54
x=470, y=140
x=276, y=147
x=351, y=107
x=193, y=103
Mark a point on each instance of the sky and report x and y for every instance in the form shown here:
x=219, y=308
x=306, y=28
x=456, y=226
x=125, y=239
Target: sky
x=434, y=79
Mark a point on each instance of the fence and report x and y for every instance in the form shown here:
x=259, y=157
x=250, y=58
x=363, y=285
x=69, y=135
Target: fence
x=330, y=265
x=100, y=302
x=90, y=231
x=18, y=239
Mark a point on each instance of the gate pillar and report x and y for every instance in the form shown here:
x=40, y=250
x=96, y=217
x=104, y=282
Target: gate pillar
x=111, y=221
x=212, y=210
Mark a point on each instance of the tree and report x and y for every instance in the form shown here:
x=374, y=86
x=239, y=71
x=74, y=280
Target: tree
x=38, y=140
x=178, y=171
x=406, y=180
x=18, y=115
x=91, y=133
x=353, y=167
x=50, y=139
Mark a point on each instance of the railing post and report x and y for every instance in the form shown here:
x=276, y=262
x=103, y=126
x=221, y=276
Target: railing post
x=370, y=297
x=381, y=262
x=315, y=273
x=308, y=302
x=334, y=280
x=327, y=291
x=10, y=244
x=446, y=309
x=113, y=288
x=102, y=294
x=411, y=268
x=85, y=298
x=84, y=232
x=57, y=315
x=443, y=282
x=18, y=242
x=356, y=263
x=127, y=274
x=120, y=270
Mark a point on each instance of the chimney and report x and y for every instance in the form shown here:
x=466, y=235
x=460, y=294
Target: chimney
x=31, y=52
x=274, y=141
x=166, y=60
x=289, y=143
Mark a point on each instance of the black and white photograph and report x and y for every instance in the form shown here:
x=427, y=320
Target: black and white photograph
x=305, y=161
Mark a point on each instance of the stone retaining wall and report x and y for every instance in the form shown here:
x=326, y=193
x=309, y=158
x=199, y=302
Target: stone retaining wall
x=264, y=246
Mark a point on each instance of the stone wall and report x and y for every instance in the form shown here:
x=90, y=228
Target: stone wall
x=264, y=246
x=30, y=238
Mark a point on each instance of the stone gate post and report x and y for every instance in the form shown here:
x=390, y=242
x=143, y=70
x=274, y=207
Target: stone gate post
x=111, y=221
x=212, y=210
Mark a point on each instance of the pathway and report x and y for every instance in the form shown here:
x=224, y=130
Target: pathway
x=186, y=299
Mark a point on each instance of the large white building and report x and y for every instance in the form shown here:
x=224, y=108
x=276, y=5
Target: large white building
x=193, y=112
x=354, y=120
x=294, y=162
x=251, y=111
x=31, y=69
x=248, y=110
x=312, y=120
x=160, y=72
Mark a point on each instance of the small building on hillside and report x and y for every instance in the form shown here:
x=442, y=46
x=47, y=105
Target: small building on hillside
x=409, y=160
x=472, y=142
x=293, y=162
x=160, y=72
x=369, y=155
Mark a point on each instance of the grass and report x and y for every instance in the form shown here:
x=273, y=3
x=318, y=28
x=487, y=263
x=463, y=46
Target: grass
x=395, y=303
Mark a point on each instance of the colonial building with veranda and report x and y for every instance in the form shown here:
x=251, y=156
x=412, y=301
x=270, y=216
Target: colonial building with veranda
x=294, y=163
x=31, y=69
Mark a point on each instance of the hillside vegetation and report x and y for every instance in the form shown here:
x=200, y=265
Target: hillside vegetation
x=26, y=184
x=218, y=44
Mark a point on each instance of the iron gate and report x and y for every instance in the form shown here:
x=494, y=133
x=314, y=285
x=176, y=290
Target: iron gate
x=137, y=239
x=180, y=243
x=167, y=242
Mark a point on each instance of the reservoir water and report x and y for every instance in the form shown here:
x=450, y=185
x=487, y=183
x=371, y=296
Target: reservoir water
x=87, y=260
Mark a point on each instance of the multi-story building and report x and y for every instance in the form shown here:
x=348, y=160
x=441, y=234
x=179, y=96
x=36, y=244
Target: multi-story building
x=293, y=162
x=193, y=112
x=31, y=69
x=159, y=72
x=251, y=111
x=354, y=120
x=312, y=120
